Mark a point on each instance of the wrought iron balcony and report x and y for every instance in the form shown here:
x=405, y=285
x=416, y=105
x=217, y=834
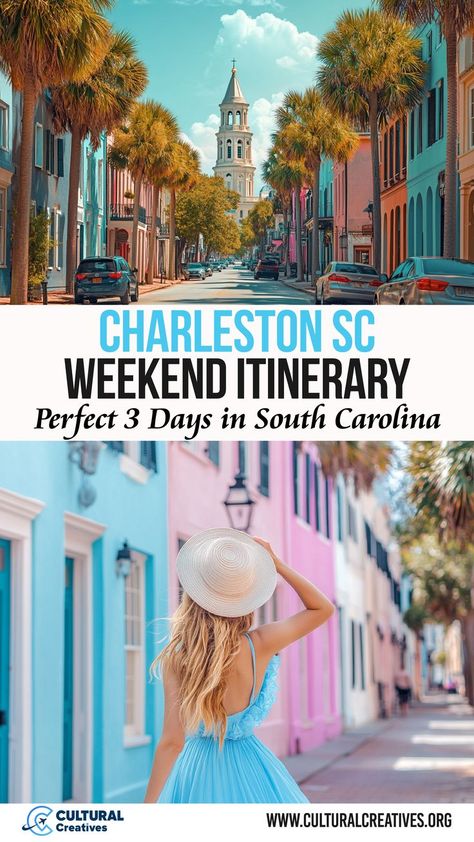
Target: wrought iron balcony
x=125, y=212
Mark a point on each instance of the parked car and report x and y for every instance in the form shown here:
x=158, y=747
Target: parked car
x=347, y=283
x=267, y=268
x=216, y=266
x=105, y=277
x=429, y=280
x=208, y=269
x=194, y=271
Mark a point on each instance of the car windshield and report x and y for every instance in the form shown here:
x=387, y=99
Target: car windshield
x=194, y=266
x=438, y=266
x=97, y=265
x=355, y=269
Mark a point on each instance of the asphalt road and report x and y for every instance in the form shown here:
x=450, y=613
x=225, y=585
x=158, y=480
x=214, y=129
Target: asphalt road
x=232, y=286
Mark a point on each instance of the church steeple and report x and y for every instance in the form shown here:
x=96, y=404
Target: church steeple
x=234, y=144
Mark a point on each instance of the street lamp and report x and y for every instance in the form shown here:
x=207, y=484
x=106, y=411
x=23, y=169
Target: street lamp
x=123, y=561
x=85, y=454
x=239, y=504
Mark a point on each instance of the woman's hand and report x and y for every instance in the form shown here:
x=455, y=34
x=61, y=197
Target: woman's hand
x=268, y=547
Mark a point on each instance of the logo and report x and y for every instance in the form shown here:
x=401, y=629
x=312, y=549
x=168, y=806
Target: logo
x=36, y=821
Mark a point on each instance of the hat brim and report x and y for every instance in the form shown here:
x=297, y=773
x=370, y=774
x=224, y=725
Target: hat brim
x=188, y=567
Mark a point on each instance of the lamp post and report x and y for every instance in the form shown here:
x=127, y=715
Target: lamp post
x=239, y=504
x=369, y=210
x=123, y=560
x=85, y=454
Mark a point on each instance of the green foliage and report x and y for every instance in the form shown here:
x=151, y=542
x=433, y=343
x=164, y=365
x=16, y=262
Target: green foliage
x=204, y=210
x=260, y=218
x=40, y=244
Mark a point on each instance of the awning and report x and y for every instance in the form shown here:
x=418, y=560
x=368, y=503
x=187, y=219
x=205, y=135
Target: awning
x=277, y=243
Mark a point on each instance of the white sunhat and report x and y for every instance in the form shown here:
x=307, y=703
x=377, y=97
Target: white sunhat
x=226, y=572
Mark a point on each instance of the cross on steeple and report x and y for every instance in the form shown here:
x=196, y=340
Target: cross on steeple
x=233, y=64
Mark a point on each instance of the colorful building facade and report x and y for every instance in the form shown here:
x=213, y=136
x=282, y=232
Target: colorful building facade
x=427, y=151
x=352, y=195
x=81, y=719
x=6, y=173
x=393, y=175
x=466, y=146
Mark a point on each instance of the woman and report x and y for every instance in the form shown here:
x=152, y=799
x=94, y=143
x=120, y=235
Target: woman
x=220, y=676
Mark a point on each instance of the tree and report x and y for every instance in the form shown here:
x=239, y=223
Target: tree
x=204, y=211
x=135, y=147
x=295, y=173
x=182, y=176
x=92, y=107
x=260, y=219
x=276, y=174
x=438, y=540
x=311, y=132
x=43, y=43
x=158, y=171
x=363, y=460
x=455, y=18
x=371, y=71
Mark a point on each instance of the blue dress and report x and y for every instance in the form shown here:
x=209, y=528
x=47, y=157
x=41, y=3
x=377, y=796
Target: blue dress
x=244, y=771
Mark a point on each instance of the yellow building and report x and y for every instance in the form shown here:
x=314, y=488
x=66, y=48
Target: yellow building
x=466, y=144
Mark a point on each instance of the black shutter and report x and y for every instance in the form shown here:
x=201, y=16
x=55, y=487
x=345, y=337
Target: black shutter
x=60, y=166
x=117, y=446
x=148, y=456
x=47, y=149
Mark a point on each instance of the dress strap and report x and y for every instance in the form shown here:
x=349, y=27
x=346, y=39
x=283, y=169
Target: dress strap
x=254, y=666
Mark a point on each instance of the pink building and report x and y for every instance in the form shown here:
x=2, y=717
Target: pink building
x=121, y=190
x=282, y=480
x=352, y=194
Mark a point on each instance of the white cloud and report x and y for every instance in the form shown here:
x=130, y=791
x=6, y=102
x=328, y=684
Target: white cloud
x=278, y=39
x=202, y=136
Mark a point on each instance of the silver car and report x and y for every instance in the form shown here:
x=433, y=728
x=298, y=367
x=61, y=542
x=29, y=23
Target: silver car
x=194, y=271
x=347, y=283
x=429, y=280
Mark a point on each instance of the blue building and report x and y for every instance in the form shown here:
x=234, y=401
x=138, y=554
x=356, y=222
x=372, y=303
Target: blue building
x=83, y=577
x=427, y=150
x=92, y=216
x=326, y=217
x=6, y=173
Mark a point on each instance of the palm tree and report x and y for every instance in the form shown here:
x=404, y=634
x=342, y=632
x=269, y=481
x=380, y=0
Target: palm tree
x=157, y=171
x=43, y=43
x=92, y=107
x=371, y=70
x=455, y=17
x=275, y=174
x=183, y=176
x=294, y=174
x=134, y=148
x=364, y=461
x=312, y=132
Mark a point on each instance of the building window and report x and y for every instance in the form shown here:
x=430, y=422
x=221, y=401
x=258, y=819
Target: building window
x=230, y=119
x=134, y=649
x=440, y=32
x=431, y=116
x=100, y=186
x=471, y=117
x=221, y=150
x=60, y=157
x=238, y=118
x=3, y=226
x=429, y=45
x=264, y=457
x=229, y=149
x=296, y=479
x=397, y=149
x=39, y=146
x=317, y=498
x=327, y=507
x=213, y=452
x=3, y=125
x=239, y=150
x=362, y=657
x=49, y=143
x=419, y=148
x=385, y=159
x=390, y=154
x=412, y=134
x=339, y=505
x=243, y=458
x=440, y=109
x=148, y=455
x=353, y=655
x=307, y=488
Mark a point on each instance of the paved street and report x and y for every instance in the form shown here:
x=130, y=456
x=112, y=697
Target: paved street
x=232, y=286
x=427, y=757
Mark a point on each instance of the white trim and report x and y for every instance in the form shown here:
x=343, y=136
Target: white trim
x=80, y=534
x=134, y=733
x=37, y=165
x=16, y=516
x=133, y=469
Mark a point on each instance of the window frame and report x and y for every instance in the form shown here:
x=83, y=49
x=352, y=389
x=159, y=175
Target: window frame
x=39, y=131
x=136, y=728
x=5, y=124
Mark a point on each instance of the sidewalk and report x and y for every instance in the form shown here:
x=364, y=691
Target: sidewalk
x=426, y=757
x=303, y=286
x=60, y=296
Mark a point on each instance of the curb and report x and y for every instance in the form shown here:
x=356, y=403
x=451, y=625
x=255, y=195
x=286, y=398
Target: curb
x=295, y=285
x=59, y=296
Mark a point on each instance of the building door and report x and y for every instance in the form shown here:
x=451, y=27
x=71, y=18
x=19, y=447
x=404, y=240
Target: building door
x=4, y=664
x=362, y=254
x=68, y=724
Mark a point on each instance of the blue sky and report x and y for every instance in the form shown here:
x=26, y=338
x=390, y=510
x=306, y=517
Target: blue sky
x=188, y=46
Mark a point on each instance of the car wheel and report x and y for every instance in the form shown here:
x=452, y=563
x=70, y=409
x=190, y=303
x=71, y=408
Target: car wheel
x=78, y=299
x=134, y=297
x=401, y=302
x=92, y=300
x=125, y=299
x=275, y=277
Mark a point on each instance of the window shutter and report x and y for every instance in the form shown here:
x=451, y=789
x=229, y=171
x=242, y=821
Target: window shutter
x=48, y=150
x=213, y=451
x=117, y=446
x=60, y=169
x=148, y=456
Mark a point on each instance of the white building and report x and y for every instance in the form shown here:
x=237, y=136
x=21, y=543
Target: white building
x=234, y=146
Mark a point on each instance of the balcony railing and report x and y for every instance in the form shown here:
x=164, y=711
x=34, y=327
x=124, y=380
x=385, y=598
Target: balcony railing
x=125, y=212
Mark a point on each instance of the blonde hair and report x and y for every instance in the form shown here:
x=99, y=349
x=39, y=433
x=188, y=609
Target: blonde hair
x=201, y=652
